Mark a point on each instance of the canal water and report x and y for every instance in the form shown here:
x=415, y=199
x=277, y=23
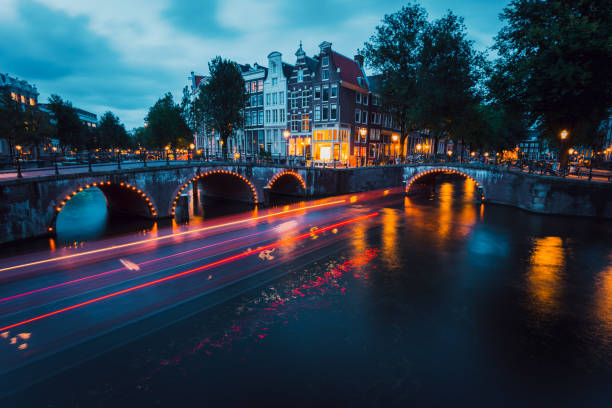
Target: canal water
x=440, y=301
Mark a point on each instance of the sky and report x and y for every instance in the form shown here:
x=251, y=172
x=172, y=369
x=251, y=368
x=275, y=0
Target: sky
x=122, y=55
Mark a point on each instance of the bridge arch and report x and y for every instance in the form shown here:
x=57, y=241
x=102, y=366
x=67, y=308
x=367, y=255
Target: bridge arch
x=122, y=197
x=218, y=186
x=287, y=182
x=443, y=170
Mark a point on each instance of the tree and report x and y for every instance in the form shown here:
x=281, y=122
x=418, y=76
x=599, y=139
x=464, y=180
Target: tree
x=69, y=128
x=448, y=73
x=554, y=65
x=37, y=127
x=394, y=52
x=167, y=125
x=112, y=133
x=221, y=100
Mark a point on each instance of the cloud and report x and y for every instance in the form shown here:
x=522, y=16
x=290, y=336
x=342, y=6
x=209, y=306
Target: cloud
x=122, y=55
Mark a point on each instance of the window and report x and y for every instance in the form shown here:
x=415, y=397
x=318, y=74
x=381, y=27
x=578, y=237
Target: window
x=325, y=61
x=274, y=81
x=305, y=99
x=334, y=91
x=253, y=100
x=325, y=112
x=333, y=112
x=275, y=115
x=364, y=118
x=357, y=116
x=260, y=118
x=317, y=94
x=317, y=113
x=282, y=115
x=293, y=100
x=300, y=75
x=273, y=98
x=358, y=97
x=267, y=99
x=247, y=121
x=325, y=94
x=306, y=122
x=325, y=74
x=365, y=99
x=267, y=116
x=248, y=102
x=32, y=101
x=281, y=97
x=298, y=99
x=260, y=85
x=273, y=66
x=254, y=119
x=253, y=86
x=295, y=123
x=247, y=86
x=260, y=100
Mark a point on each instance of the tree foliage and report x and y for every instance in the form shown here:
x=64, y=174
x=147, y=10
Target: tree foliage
x=167, y=125
x=554, y=65
x=69, y=128
x=111, y=132
x=221, y=100
x=430, y=71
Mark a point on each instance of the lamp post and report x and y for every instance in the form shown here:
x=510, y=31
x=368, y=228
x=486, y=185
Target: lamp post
x=191, y=147
x=19, y=175
x=55, y=160
x=450, y=154
x=167, y=148
x=363, y=132
x=563, y=159
x=286, y=134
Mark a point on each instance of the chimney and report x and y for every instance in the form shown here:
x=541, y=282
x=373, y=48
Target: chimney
x=359, y=59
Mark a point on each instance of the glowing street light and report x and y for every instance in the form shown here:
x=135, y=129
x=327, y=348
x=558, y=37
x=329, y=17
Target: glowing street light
x=419, y=147
x=286, y=134
x=19, y=175
x=54, y=148
x=564, y=134
x=167, y=148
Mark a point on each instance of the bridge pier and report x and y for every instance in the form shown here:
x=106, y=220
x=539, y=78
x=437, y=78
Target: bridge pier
x=182, y=209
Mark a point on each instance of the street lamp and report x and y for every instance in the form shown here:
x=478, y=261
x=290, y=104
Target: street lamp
x=564, y=134
x=191, y=147
x=118, y=151
x=55, y=159
x=19, y=175
x=286, y=134
x=167, y=148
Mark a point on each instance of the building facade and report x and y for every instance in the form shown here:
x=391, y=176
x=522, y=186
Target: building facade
x=22, y=92
x=275, y=104
x=250, y=140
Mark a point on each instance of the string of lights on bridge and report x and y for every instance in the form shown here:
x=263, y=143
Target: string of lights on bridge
x=208, y=173
x=444, y=171
x=127, y=186
x=287, y=173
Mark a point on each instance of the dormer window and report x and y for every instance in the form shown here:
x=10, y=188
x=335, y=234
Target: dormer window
x=325, y=61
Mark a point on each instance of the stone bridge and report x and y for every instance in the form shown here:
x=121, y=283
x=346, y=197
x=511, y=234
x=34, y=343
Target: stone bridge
x=29, y=206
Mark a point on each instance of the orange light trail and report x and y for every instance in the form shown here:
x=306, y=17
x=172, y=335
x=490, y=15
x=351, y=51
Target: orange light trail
x=121, y=269
x=188, y=272
x=144, y=241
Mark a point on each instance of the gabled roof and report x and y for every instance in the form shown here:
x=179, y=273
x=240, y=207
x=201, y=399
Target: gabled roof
x=349, y=70
x=311, y=63
x=287, y=69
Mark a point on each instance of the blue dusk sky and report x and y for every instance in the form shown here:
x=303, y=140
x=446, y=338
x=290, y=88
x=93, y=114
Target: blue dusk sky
x=122, y=55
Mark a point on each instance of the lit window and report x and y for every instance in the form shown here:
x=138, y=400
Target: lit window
x=32, y=101
x=23, y=99
x=260, y=85
x=254, y=86
x=325, y=61
x=306, y=122
x=325, y=74
x=14, y=96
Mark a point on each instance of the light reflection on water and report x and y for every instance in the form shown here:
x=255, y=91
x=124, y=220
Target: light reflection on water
x=463, y=304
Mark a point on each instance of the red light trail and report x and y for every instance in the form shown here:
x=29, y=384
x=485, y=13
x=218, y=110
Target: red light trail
x=189, y=272
x=121, y=269
x=94, y=251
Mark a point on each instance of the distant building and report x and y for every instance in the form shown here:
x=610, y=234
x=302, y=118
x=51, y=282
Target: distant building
x=275, y=104
x=22, y=92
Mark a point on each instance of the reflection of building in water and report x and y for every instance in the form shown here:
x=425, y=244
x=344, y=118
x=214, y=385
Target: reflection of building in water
x=544, y=275
x=603, y=305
